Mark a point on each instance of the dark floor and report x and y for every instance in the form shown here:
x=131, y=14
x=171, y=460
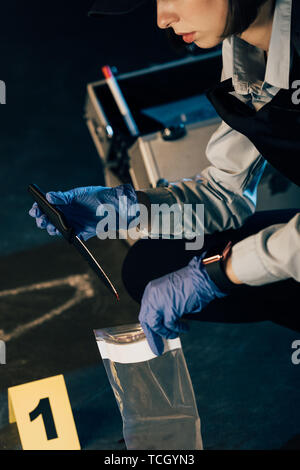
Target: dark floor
x=246, y=386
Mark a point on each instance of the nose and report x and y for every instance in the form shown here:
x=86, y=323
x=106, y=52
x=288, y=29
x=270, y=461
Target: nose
x=166, y=16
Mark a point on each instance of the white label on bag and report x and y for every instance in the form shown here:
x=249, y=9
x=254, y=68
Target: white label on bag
x=138, y=351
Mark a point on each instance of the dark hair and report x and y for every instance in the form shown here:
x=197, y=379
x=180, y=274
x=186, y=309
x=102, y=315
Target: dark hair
x=241, y=14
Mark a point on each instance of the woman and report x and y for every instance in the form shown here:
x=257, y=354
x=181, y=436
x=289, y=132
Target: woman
x=260, y=268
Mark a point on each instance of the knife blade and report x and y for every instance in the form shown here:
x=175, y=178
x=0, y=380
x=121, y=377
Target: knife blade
x=58, y=219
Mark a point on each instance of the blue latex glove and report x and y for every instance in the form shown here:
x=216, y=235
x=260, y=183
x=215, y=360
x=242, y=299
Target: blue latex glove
x=167, y=298
x=79, y=206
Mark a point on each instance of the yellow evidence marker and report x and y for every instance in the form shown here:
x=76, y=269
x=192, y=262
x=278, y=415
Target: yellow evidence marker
x=43, y=415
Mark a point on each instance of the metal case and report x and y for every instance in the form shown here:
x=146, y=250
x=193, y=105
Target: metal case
x=146, y=160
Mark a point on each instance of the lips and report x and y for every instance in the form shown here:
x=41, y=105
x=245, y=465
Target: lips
x=188, y=37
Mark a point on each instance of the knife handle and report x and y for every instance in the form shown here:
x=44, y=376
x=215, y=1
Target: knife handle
x=55, y=216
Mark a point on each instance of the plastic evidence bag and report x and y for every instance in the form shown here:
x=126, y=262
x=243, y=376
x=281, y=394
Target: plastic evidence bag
x=155, y=395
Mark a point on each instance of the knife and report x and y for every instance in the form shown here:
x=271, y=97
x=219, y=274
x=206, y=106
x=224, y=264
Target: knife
x=57, y=218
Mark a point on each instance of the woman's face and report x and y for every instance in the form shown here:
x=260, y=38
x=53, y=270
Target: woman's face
x=206, y=19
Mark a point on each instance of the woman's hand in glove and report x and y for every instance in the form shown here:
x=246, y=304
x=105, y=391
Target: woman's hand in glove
x=80, y=205
x=167, y=298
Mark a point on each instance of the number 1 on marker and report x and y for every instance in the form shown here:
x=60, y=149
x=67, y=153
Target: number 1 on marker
x=43, y=408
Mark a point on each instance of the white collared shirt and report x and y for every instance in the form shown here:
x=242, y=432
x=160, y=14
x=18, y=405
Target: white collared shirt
x=254, y=80
x=228, y=187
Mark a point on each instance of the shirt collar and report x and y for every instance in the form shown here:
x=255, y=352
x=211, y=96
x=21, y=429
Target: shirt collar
x=248, y=61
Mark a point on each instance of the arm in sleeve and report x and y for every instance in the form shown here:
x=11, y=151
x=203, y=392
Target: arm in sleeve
x=271, y=255
x=227, y=188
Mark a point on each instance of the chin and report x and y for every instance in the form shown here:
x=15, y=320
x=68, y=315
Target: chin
x=208, y=44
